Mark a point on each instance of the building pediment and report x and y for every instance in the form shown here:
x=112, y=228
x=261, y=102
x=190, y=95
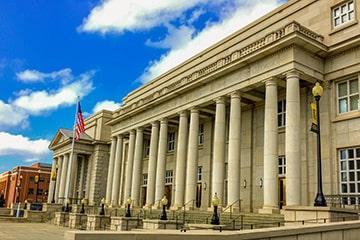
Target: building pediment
x=64, y=136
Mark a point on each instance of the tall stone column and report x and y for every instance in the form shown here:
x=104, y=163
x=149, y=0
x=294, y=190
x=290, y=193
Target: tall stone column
x=82, y=177
x=63, y=177
x=270, y=148
x=137, y=170
x=154, y=140
x=110, y=174
x=52, y=182
x=161, y=161
x=292, y=137
x=117, y=169
x=129, y=165
x=181, y=160
x=70, y=177
x=234, y=149
x=218, y=168
x=192, y=157
x=88, y=176
x=58, y=178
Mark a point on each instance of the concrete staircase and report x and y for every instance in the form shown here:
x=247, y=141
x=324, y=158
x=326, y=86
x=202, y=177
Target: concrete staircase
x=232, y=221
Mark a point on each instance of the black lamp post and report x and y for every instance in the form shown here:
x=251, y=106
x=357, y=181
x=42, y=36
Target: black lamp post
x=53, y=178
x=128, y=212
x=102, y=210
x=320, y=200
x=163, y=203
x=18, y=186
x=67, y=208
x=37, y=179
x=215, y=218
x=82, y=210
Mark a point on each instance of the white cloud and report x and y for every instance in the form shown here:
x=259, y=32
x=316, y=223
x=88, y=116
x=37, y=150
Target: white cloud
x=31, y=75
x=233, y=19
x=37, y=102
x=132, y=15
x=106, y=105
x=11, y=116
x=22, y=146
x=30, y=160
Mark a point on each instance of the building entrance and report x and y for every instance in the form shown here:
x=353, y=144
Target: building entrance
x=198, y=194
x=282, y=192
x=168, y=191
x=143, y=196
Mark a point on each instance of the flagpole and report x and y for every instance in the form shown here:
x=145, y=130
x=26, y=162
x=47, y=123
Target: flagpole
x=68, y=177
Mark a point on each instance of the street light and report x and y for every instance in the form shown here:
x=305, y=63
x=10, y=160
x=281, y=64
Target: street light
x=320, y=200
x=215, y=218
x=82, y=210
x=102, y=210
x=128, y=202
x=37, y=179
x=53, y=178
x=18, y=186
x=164, y=203
x=67, y=208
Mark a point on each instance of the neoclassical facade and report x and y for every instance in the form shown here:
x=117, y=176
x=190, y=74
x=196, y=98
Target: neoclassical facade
x=234, y=119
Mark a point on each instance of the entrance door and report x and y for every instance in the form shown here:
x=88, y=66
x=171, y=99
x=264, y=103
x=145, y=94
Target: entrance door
x=282, y=192
x=168, y=190
x=143, y=196
x=198, y=195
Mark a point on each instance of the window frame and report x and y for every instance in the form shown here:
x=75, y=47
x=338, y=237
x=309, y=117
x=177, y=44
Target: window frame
x=171, y=142
x=169, y=178
x=146, y=148
x=347, y=96
x=341, y=15
x=201, y=134
x=199, y=174
x=145, y=178
x=282, y=113
x=282, y=166
x=347, y=199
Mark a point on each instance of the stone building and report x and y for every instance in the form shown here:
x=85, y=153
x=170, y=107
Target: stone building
x=234, y=119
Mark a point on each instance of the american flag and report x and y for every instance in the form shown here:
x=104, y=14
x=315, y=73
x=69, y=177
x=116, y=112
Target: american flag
x=80, y=125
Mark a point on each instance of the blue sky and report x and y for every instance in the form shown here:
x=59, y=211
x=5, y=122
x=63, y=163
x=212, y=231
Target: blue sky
x=52, y=51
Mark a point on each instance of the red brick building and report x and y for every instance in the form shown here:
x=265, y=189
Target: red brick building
x=25, y=183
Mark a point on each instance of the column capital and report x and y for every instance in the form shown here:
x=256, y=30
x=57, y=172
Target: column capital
x=183, y=113
x=132, y=132
x=292, y=73
x=164, y=121
x=140, y=129
x=235, y=94
x=194, y=110
x=155, y=123
x=120, y=136
x=271, y=82
x=220, y=100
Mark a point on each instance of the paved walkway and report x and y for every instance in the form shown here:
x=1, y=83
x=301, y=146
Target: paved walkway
x=30, y=231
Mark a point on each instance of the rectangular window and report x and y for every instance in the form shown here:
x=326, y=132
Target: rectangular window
x=39, y=191
x=201, y=134
x=343, y=13
x=169, y=176
x=171, y=141
x=147, y=148
x=282, y=166
x=31, y=179
x=199, y=174
x=349, y=160
x=145, y=179
x=30, y=191
x=281, y=113
x=348, y=96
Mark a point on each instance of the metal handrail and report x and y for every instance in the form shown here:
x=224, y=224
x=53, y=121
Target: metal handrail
x=231, y=207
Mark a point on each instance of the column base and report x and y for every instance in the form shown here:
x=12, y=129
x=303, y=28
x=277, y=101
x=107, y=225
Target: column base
x=269, y=210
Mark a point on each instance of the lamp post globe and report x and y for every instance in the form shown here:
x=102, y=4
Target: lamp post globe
x=215, y=202
x=163, y=203
x=128, y=202
x=102, y=210
x=320, y=200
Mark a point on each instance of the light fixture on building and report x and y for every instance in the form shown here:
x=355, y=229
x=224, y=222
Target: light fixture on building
x=204, y=186
x=261, y=183
x=244, y=183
